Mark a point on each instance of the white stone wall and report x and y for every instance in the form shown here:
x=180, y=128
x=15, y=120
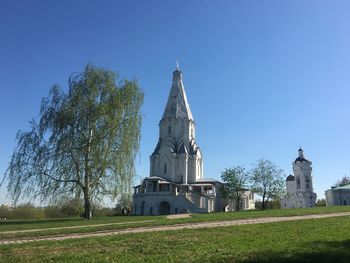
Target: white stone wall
x=338, y=197
x=291, y=187
x=247, y=202
x=178, y=203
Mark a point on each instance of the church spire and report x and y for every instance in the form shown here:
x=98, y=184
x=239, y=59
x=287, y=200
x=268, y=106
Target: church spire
x=177, y=105
x=301, y=152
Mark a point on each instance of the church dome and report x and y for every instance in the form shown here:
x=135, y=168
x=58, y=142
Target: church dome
x=301, y=159
x=301, y=156
x=290, y=178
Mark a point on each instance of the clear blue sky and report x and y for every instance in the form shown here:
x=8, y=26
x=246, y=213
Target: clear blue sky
x=262, y=77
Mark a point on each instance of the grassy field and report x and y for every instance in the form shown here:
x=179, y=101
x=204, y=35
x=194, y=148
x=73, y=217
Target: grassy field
x=316, y=240
x=49, y=227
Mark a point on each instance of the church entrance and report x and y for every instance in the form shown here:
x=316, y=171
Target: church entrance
x=164, y=208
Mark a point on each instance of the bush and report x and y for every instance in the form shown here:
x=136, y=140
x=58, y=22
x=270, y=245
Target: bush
x=274, y=204
x=71, y=208
x=52, y=211
x=26, y=211
x=321, y=202
x=4, y=211
x=99, y=211
x=64, y=208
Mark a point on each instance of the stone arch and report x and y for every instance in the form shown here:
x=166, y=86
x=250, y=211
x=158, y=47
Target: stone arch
x=164, y=208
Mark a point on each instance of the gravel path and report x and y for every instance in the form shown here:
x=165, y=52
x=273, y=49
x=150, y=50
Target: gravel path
x=174, y=227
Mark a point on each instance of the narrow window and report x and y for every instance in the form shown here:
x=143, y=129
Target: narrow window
x=169, y=129
x=307, y=182
x=151, y=210
x=165, y=168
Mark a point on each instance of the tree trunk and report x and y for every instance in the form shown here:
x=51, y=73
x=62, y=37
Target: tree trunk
x=87, y=205
x=237, y=203
x=87, y=197
x=263, y=202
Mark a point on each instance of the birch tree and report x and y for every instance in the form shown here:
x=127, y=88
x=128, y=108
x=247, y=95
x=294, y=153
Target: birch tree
x=82, y=144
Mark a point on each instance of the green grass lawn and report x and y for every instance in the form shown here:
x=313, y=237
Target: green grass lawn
x=128, y=221
x=314, y=240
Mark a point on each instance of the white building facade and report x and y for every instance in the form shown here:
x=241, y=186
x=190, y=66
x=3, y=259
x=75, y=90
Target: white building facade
x=338, y=195
x=247, y=202
x=176, y=183
x=299, y=187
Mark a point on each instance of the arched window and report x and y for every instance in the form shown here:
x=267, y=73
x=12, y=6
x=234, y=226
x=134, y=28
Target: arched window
x=298, y=183
x=307, y=180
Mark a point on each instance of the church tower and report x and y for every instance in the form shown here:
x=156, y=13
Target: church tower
x=302, y=172
x=177, y=157
x=299, y=187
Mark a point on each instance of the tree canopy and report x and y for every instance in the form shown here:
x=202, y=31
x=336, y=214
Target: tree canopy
x=344, y=181
x=267, y=181
x=83, y=143
x=235, y=181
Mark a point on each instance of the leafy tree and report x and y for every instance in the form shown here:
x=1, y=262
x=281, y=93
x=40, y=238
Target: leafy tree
x=84, y=142
x=344, y=181
x=124, y=201
x=267, y=181
x=321, y=202
x=235, y=179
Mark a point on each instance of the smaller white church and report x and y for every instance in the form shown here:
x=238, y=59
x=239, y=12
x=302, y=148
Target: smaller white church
x=299, y=187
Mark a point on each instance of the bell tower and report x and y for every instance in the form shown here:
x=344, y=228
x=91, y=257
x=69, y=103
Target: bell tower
x=302, y=172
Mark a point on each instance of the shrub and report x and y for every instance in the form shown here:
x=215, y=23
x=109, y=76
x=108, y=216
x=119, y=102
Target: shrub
x=26, y=211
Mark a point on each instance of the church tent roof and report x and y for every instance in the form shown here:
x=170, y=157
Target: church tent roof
x=177, y=105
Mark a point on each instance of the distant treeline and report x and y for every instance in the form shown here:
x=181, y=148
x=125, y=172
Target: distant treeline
x=70, y=208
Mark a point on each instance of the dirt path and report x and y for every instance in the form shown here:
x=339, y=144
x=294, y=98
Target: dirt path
x=174, y=227
x=72, y=227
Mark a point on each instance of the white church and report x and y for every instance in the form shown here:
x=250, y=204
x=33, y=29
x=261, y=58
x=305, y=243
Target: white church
x=176, y=184
x=299, y=187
